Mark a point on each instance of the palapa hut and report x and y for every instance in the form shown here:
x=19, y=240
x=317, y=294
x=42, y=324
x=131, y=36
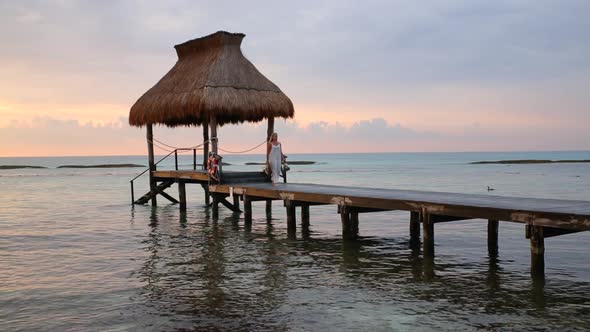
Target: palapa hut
x=211, y=84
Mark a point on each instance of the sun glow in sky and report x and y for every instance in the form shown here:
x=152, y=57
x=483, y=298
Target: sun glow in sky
x=405, y=76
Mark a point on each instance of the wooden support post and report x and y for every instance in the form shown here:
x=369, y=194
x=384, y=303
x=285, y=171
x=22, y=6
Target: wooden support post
x=271, y=127
x=354, y=220
x=213, y=124
x=291, y=215
x=215, y=206
x=205, y=145
x=492, y=237
x=537, y=251
x=304, y=215
x=237, y=202
x=414, y=229
x=182, y=195
x=269, y=207
x=152, y=165
x=207, y=195
x=247, y=209
x=347, y=227
x=427, y=234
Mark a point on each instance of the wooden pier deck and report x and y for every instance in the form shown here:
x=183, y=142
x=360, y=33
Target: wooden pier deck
x=543, y=217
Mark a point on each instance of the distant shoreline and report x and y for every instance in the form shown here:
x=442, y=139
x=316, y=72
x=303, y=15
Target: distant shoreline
x=19, y=167
x=528, y=161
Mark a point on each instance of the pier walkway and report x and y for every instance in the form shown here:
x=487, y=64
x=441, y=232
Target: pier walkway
x=542, y=217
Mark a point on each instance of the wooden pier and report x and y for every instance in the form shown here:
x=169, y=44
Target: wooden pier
x=542, y=218
x=213, y=84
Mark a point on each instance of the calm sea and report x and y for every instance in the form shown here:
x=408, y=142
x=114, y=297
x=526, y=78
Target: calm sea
x=75, y=255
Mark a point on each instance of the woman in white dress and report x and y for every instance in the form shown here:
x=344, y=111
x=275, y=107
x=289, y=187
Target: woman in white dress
x=274, y=157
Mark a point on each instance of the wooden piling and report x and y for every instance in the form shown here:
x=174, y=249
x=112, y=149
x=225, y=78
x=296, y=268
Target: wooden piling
x=414, y=229
x=215, y=206
x=427, y=234
x=291, y=225
x=236, y=202
x=304, y=215
x=247, y=209
x=268, y=207
x=354, y=222
x=182, y=195
x=492, y=237
x=207, y=194
x=347, y=225
x=537, y=241
x=151, y=164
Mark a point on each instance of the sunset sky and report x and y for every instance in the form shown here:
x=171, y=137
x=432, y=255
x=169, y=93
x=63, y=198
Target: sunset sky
x=364, y=76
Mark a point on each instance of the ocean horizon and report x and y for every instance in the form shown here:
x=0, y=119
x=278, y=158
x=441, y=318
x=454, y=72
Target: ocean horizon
x=77, y=255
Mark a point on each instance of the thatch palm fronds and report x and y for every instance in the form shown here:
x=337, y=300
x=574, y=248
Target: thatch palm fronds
x=211, y=78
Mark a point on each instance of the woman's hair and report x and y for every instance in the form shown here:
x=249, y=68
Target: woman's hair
x=271, y=136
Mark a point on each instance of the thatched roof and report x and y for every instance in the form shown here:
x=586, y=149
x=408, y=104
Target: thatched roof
x=211, y=76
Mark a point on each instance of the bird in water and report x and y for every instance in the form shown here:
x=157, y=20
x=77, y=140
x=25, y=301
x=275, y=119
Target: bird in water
x=490, y=188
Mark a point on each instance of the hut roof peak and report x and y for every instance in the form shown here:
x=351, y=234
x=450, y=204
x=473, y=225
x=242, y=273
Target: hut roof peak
x=217, y=39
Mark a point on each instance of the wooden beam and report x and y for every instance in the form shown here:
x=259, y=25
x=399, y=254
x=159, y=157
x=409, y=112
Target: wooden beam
x=163, y=193
x=427, y=234
x=537, y=241
x=552, y=231
x=182, y=195
x=366, y=210
x=151, y=164
x=493, y=237
x=436, y=218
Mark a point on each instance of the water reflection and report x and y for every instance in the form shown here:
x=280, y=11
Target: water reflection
x=201, y=273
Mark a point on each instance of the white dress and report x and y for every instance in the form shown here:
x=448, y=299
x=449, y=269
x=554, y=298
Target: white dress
x=274, y=159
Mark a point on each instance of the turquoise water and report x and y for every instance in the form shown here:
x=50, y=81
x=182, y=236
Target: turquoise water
x=75, y=255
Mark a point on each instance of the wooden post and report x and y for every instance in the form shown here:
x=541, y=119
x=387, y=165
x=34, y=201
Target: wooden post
x=492, y=237
x=347, y=225
x=152, y=166
x=271, y=127
x=182, y=195
x=269, y=207
x=414, y=229
x=215, y=206
x=213, y=124
x=291, y=225
x=236, y=202
x=247, y=209
x=269, y=130
x=537, y=251
x=304, y=215
x=427, y=234
x=205, y=144
x=354, y=222
x=207, y=195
